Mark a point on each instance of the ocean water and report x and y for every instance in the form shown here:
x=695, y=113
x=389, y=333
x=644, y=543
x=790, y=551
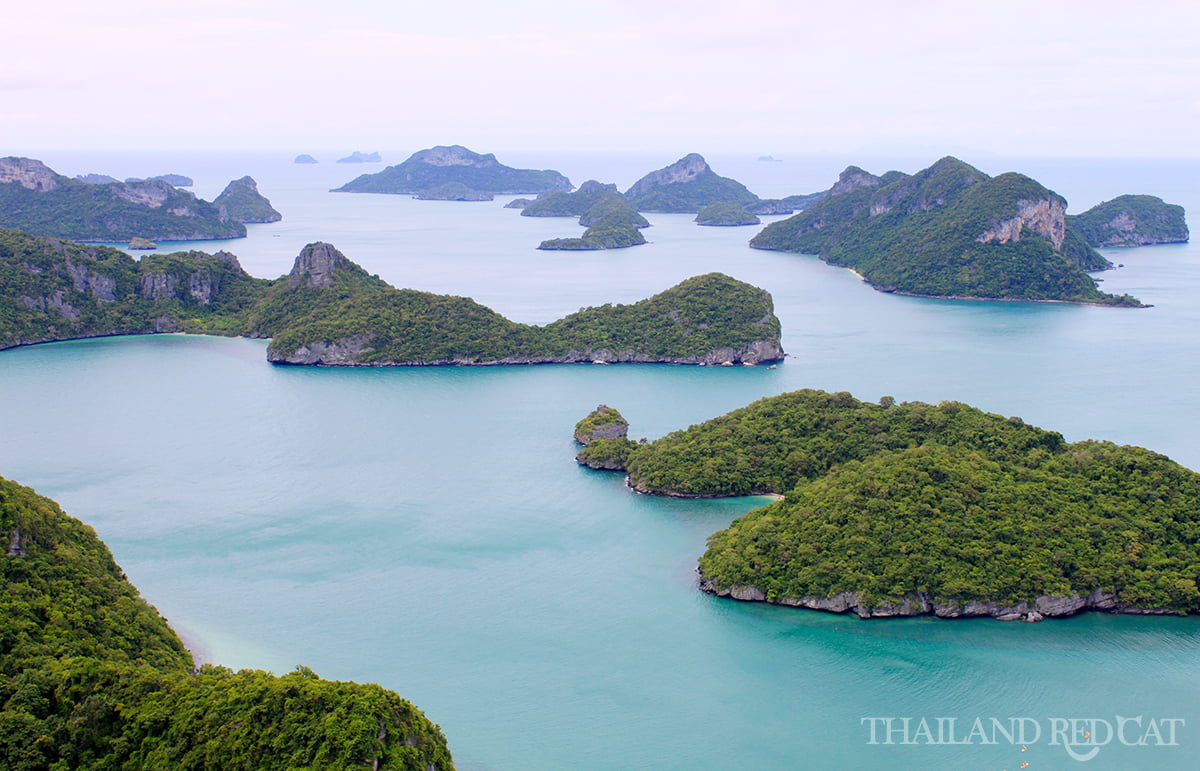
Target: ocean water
x=427, y=529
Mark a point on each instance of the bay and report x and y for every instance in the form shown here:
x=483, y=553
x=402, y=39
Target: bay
x=428, y=529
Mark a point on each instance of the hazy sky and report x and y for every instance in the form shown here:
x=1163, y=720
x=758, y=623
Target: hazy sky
x=1021, y=77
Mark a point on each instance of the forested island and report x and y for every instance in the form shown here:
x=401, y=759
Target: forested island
x=93, y=678
x=948, y=231
x=330, y=311
x=429, y=169
x=242, y=202
x=906, y=509
x=34, y=198
x=1131, y=220
x=690, y=184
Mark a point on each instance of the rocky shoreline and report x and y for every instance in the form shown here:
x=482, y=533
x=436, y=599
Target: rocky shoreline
x=924, y=605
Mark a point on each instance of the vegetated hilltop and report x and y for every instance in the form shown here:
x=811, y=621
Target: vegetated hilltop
x=330, y=311
x=243, y=203
x=689, y=185
x=611, y=222
x=726, y=214
x=1131, y=220
x=91, y=677
x=907, y=509
x=36, y=199
x=428, y=169
x=948, y=231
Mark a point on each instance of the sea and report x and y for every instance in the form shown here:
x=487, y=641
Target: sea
x=427, y=529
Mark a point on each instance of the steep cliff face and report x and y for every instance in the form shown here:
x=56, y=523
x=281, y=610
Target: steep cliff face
x=28, y=173
x=1046, y=217
x=316, y=265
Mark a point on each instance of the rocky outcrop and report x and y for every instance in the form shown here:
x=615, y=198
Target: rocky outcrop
x=97, y=179
x=685, y=169
x=923, y=605
x=334, y=353
x=1046, y=217
x=240, y=201
x=315, y=265
x=601, y=423
x=28, y=173
x=853, y=178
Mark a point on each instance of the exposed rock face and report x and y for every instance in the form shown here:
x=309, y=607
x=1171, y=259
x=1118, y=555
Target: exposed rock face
x=922, y=604
x=853, y=178
x=1047, y=217
x=97, y=179
x=151, y=192
x=601, y=423
x=315, y=265
x=241, y=202
x=28, y=173
x=685, y=169
x=337, y=353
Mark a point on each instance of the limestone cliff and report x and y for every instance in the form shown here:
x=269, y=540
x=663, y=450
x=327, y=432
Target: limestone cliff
x=240, y=201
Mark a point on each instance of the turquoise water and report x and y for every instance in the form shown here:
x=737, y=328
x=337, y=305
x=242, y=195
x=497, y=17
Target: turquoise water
x=428, y=530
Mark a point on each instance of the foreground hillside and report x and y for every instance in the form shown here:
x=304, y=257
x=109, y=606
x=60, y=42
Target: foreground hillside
x=329, y=311
x=948, y=231
x=91, y=677
x=906, y=509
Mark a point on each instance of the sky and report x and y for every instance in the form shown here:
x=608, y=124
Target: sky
x=1021, y=77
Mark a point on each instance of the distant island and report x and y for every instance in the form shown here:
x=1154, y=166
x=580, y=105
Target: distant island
x=429, y=169
x=361, y=157
x=690, y=184
x=329, y=311
x=1131, y=220
x=175, y=180
x=242, y=202
x=93, y=677
x=948, y=231
x=305, y=158
x=901, y=509
x=34, y=198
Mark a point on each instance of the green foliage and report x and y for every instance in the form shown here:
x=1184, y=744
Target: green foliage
x=83, y=212
x=959, y=524
x=52, y=290
x=91, y=677
x=611, y=210
x=243, y=202
x=774, y=444
x=574, y=204
x=609, y=454
x=726, y=213
x=920, y=235
x=1131, y=220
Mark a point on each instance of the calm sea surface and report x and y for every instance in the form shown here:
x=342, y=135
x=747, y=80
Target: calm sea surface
x=427, y=529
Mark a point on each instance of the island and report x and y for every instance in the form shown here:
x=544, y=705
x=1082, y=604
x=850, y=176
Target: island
x=726, y=214
x=1131, y=220
x=330, y=311
x=360, y=157
x=948, y=231
x=428, y=169
x=305, y=158
x=242, y=202
x=901, y=509
x=91, y=676
x=34, y=198
x=560, y=203
x=141, y=244
x=687, y=186
x=611, y=224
